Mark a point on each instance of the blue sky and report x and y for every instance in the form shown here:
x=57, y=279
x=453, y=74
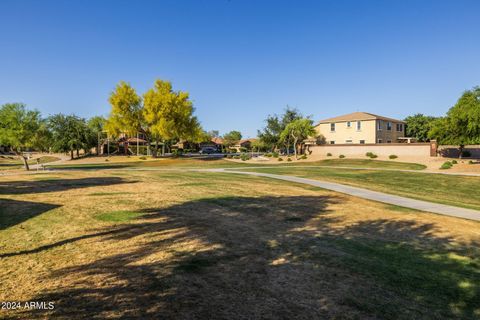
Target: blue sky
x=242, y=60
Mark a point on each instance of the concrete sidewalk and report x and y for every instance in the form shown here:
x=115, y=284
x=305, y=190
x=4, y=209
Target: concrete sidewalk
x=371, y=195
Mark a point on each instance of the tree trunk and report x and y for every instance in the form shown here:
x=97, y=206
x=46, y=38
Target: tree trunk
x=295, y=140
x=71, y=154
x=155, y=151
x=163, y=147
x=78, y=153
x=461, y=151
x=24, y=160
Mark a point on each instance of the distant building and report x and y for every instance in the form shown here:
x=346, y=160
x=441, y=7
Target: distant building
x=244, y=143
x=362, y=128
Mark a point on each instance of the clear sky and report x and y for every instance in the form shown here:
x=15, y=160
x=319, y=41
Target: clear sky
x=242, y=60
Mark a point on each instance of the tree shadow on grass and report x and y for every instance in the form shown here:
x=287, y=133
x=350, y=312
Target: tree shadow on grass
x=54, y=185
x=13, y=212
x=269, y=257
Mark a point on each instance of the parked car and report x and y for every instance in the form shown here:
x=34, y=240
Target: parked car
x=208, y=150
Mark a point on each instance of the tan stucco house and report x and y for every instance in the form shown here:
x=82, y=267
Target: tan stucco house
x=361, y=128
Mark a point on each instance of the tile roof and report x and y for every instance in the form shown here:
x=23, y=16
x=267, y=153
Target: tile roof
x=354, y=116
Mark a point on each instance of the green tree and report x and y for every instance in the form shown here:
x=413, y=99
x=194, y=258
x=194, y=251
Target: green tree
x=19, y=129
x=231, y=138
x=275, y=125
x=214, y=133
x=418, y=126
x=69, y=133
x=461, y=126
x=95, y=125
x=297, y=131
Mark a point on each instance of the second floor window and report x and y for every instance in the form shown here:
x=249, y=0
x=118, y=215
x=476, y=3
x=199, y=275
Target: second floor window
x=389, y=126
x=332, y=126
x=399, y=127
x=379, y=125
x=349, y=124
x=359, y=125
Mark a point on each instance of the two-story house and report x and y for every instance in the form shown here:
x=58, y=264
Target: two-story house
x=361, y=128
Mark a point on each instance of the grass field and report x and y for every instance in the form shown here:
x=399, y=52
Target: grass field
x=114, y=163
x=155, y=244
x=459, y=191
x=11, y=163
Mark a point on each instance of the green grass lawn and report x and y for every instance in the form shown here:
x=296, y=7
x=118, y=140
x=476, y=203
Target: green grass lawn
x=158, y=244
x=369, y=163
x=459, y=191
x=222, y=163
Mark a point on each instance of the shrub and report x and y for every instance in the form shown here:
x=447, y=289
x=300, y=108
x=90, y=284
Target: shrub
x=471, y=162
x=446, y=165
x=143, y=158
x=341, y=156
x=393, y=156
x=269, y=155
x=107, y=160
x=454, y=162
x=236, y=157
x=371, y=155
x=275, y=154
x=280, y=159
x=289, y=159
x=242, y=149
x=466, y=154
x=244, y=157
x=329, y=154
x=229, y=156
x=303, y=157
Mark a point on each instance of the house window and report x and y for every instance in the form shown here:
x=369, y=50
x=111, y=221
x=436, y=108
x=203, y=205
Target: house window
x=348, y=141
x=362, y=141
x=380, y=141
x=399, y=127
x=332, y=127
x=332, y=142
x=359, y=125
x=389, y=126
x=389, y=141
x=349, y=124
x=379, y=125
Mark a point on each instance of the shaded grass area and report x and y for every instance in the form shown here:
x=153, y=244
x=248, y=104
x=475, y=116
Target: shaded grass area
x=13, y=212
x=55, y=185
x=245, y=247
x=461, y=191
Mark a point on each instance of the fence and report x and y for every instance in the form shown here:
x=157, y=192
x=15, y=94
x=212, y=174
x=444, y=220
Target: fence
x=454, y=151
x=385, y=149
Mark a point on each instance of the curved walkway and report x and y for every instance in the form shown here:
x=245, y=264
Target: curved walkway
x=370, y=195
